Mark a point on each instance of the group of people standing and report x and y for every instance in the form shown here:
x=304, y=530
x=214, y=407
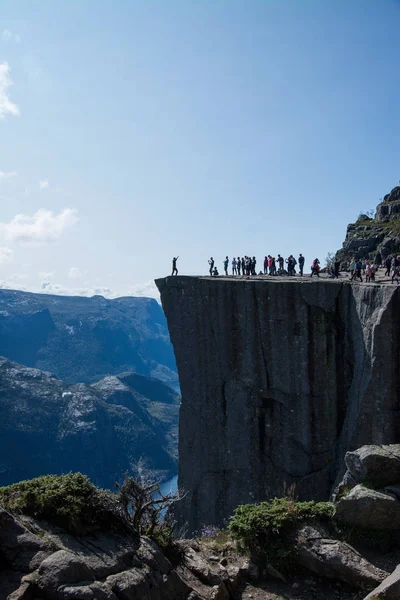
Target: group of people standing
x=247, y=265
x=369, y=268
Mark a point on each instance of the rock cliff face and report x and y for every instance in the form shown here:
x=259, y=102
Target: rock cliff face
x=279, y=379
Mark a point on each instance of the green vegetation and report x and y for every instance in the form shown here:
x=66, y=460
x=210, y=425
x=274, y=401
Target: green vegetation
x=75, y=504
x=263, y=530
x=69, y=501
x=390, y=228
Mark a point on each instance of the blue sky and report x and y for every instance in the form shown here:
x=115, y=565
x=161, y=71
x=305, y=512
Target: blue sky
x=138, y=130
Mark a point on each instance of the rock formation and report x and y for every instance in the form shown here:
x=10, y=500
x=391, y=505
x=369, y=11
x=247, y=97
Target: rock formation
x=43, y=562
x=366, y=237
x=279, y=380
x=84, y=339
x=102, y=430
x=88, y=549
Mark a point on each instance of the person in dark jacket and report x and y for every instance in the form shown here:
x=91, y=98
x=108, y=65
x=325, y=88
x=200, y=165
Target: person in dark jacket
x=211, y=263
x=301, y=264
x=174, y=269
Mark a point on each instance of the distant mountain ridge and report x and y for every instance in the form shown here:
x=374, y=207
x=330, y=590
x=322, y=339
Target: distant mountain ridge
x=81, y=339
x=103, y=430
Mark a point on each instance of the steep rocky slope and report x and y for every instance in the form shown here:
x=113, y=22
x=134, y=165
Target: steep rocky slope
x=83, y=339
x=102, y=430
x=366, y=237
x=279, y=379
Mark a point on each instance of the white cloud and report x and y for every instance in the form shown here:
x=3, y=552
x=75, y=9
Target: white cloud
x=5, y=255
x=7, y=37
x=6, y=106
x=44, y=226
x=147, y=289
x=7, y=175
x=46, y=275
x=44, y=184
x=62, y=290
x=75, y=273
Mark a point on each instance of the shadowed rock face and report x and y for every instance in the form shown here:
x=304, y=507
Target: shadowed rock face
x=279, y=379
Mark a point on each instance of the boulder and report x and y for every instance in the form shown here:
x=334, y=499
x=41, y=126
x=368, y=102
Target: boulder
x=376, y=466
x=334, y=559
x=389, y=589
x=20, y=548
x=369, y=509
x=61, y=568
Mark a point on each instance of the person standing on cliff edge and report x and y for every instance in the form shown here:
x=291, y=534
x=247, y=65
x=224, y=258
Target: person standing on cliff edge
x=174, y=269
x=226, y=263
x=211, y=263
x=301, y=264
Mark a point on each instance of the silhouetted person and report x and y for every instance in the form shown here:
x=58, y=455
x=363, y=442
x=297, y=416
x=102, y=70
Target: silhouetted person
x=337, y=268
x=211, y=263
x=301, y=264
x=226, y=263
x=238, y=265
x=174, y=269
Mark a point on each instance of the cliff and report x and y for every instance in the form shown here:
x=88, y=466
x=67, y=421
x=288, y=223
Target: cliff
x=279, y=379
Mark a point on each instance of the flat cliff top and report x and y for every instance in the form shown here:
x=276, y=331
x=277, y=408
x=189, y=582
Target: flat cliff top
x=380, y=279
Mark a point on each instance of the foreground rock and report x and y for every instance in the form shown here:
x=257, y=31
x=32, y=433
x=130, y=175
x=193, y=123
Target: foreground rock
x=389, y=589
x=374, y=466
x=369, y=509
x=46, y=563
x=102, y=431
x=334, y=559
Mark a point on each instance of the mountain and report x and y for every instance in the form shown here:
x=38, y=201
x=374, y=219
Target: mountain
x=102, y=430
x=369, y=236
x=83, y=339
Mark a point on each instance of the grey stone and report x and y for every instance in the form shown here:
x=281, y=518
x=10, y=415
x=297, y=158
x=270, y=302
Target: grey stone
x=24, y=592
x=143, y=584
x=202, y=569
x=389, y=589
x=219, y=592
x=334, y=559
x=279, y=380
x=370, y=509
x=377, y=466
x=92, y=591
x=60, y=568
x=152, y=556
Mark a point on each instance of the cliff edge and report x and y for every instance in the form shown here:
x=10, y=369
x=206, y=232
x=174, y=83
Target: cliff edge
x=279, y=379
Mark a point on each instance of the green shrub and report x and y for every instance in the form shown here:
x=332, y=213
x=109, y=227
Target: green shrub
x=70, y=501
x=262, y=530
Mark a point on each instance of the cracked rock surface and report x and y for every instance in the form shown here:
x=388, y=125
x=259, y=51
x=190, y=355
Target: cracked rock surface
x=279, y=380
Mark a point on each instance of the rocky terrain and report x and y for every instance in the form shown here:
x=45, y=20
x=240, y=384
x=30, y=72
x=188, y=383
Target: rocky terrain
x=368, y=236
x=83, y=339
x=103, y=430
x=103, y=558
x=279, y=380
